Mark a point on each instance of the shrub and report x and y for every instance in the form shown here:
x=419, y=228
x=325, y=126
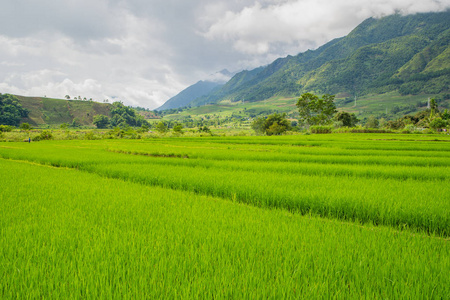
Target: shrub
x=44, y=135
x=438, y=123
x=178, y=128
x=25, y=126
x=6, y=128
x=321, y=129
x=89, y=136
x=274, y=124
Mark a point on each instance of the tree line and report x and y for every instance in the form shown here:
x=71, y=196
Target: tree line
x=315, y=111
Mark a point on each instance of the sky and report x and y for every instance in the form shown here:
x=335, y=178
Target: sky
x=143, y=52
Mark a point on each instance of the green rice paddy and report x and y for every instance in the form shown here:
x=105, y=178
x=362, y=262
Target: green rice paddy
x=319, y=216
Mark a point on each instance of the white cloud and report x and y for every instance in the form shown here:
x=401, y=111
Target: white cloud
x=143, y=52
x=259, y=29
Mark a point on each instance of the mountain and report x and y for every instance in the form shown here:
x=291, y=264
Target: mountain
x=198, y=90
x=185, y=97
x=409, y=54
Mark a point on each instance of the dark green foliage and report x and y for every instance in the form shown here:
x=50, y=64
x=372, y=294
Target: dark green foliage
x=122, y=115
x=178, y=128
x=394, y=125
x=11, y=111
x=347, y=119
x=316, y=111
x=101, y=121
x=446, y=115
x=438, y=123
x=44, y=135
x=372, y=122
x=145, y=128
x=6, y=128
x=258, y=125
x=161, y=127
x=275, y=124
x=433, y=106
x=25, y=126
x=204, y=129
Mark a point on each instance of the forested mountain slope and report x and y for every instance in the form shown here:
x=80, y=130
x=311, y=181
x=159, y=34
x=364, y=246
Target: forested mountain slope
x=408, y=54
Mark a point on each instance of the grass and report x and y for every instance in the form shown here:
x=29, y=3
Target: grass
x=383, y=103
x=71, y=234
x=399, y=183
x=48, y=111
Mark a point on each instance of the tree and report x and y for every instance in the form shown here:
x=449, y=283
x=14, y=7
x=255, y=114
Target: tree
x=25, y=126
x=433, y=107
x=178, y=128
x=275, y=129
x=275, y=124
x=122, y=116
x=161, y=127
x=11, y=111
x=258, y=125
x=347, y=119
x=101, y=121
x=438, y=123
x=446, y=115
x=316, y=111
x=204, y=129
x=372, y=122
x=67, y=97
x=145, y=127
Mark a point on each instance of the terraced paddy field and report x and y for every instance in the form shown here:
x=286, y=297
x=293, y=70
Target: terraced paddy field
x=310, y=216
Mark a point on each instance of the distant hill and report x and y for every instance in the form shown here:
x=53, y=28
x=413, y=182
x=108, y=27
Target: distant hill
x=185, y=97
x=405, y=54
x=57, y=111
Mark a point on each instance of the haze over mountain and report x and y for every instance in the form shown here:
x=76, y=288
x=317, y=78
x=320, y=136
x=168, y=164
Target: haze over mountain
x=410, y=54
x=189, y=94
x=197, y=90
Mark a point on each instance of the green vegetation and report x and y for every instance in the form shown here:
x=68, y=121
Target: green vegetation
x=11, y=111
x=316, y=111
x=161, y=127
x=240, y=217
x=101, y=121
x=346, y=119
x=274, y=124
x=394, y=55
x=45, y=112
x=122, y=116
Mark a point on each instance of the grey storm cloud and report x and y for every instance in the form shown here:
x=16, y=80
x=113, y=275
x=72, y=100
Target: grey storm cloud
x=145, y=51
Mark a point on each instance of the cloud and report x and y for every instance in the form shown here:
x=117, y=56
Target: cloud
x=143, y=52
x=260, y=29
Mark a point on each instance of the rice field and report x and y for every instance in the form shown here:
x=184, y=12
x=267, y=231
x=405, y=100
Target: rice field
x=319, y=216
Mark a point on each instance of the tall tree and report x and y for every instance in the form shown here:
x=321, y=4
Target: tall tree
x=101, y=121
x=316, y=111
x=275, y=124
x=347, y=119
x=11, y=111
x=122, y=115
